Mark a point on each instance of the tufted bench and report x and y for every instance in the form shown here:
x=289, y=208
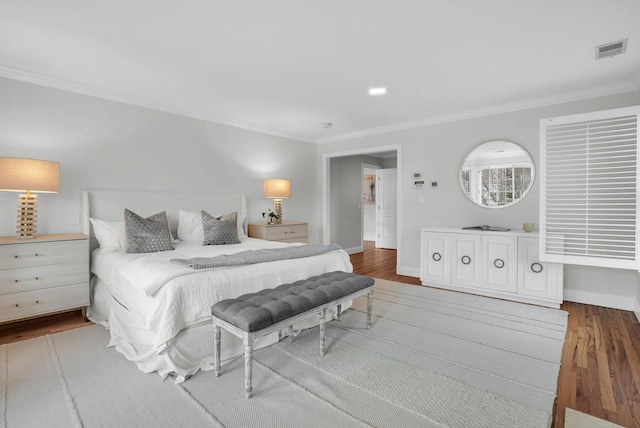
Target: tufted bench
x=255, y=315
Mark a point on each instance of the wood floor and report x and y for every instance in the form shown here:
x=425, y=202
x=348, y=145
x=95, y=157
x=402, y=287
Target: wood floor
x=599, y=373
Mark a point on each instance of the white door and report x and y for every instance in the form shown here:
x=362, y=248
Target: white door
x=387, y=209
x=500, y=263
x=435, y=261
x=466, y=260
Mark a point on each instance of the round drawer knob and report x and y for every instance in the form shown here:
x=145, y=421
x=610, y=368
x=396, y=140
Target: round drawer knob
x=436, y=256
x=536, y=267
x=499, y=263
x=16, y=280
x=465, y=260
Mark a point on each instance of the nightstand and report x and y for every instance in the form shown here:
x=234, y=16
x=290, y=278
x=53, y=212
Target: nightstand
x=44, y=275
x=287, y=231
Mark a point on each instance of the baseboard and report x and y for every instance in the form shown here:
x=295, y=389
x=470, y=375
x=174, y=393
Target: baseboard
x=600, y=299
x=353, y=250
x=637, y=315
x=408, y=271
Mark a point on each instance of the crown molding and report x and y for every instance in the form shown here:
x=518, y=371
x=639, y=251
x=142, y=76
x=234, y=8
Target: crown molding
x=488, y=111
x=93, y=91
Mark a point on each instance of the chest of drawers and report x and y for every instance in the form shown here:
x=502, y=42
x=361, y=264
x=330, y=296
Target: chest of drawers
x=44, y=275
x=287, y=231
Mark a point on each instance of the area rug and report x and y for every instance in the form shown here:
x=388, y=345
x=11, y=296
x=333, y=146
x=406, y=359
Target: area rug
x=432, y=358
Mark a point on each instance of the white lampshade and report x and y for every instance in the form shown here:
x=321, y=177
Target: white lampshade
x=30, y=176
x=276, y=188
x=21, y=175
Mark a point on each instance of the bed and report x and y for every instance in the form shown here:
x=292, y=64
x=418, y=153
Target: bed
x=157, y=311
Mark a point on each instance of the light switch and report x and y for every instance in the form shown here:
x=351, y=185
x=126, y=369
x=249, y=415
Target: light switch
x=421, y=199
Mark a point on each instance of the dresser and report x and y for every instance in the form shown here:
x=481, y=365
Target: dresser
x=44, y=275
x=496, y=264
x=287, y=231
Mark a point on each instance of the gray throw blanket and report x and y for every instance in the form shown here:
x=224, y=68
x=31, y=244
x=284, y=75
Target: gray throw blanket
x=257, y=256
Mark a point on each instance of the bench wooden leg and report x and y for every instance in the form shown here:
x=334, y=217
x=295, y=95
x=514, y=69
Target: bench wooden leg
x=216, y=348
x=369, y=301
x=249, y=341
x=290, y=333
x=323, y=316
x=339, y=315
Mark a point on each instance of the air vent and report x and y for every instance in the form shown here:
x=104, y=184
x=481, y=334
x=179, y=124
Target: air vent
x=611, y=49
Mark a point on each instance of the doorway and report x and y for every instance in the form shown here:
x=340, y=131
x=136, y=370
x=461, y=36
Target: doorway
x=327, y=218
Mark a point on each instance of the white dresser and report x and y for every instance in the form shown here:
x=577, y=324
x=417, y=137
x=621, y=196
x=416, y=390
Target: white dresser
x=44, y=275
x=495, y=264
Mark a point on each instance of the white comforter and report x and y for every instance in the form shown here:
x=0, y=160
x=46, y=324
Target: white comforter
x=169, y=297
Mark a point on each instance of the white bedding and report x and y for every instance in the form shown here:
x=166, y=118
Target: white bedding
x=170, y=298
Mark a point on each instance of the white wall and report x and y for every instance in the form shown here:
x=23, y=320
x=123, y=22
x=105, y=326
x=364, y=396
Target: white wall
x=346, y=200
x=108, y=145
x=368, y=213
x=438, y=151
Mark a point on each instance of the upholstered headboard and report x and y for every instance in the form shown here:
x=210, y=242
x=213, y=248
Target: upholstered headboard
x=109, y=205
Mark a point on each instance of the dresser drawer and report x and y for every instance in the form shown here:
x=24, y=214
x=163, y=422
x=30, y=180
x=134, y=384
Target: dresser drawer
x=43, y=253
x=288, y=232
x=303, y=240
x=37, y=277
x=38, y=302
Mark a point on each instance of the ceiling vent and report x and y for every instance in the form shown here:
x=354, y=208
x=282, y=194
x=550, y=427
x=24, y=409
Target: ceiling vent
x=611, y=49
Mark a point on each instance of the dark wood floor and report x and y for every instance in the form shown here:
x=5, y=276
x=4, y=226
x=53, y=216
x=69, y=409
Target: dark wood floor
x=600, y=368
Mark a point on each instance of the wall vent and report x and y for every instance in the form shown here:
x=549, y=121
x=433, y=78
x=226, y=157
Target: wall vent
x=611, y=49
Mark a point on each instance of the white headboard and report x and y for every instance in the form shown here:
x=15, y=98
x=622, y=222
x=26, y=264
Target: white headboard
x=109, y=205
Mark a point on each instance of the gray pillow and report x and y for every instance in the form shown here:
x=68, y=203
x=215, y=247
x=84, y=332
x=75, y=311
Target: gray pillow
x=220, y=230
x=147, y=235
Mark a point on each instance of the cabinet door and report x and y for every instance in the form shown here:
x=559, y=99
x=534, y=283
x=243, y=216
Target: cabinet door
x=435, y=259
x=500, y=263
x=466, y=259
x=536, y=278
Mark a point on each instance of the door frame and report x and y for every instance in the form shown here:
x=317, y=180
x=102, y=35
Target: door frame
x=326, y=208
x=362, y=168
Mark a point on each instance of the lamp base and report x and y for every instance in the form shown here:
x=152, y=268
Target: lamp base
x=277, y=208
x=27, y=216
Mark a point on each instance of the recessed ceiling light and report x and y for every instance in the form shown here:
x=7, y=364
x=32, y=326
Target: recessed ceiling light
x=375, y=92
x=327, y=125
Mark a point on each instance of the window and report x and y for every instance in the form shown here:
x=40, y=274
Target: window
x=589, y=188
x=499, y=185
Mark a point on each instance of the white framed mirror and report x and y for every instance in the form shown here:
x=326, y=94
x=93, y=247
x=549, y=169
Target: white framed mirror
x=497, y=174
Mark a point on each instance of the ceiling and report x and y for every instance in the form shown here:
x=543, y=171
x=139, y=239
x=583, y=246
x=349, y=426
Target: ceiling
x=287, y=67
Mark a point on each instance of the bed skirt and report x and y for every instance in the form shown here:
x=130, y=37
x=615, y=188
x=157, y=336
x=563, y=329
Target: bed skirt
x=188, y=352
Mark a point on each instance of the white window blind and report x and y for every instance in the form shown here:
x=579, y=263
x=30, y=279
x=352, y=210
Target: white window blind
x=589, y=188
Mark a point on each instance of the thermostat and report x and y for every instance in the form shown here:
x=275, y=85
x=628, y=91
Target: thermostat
x=419, y=184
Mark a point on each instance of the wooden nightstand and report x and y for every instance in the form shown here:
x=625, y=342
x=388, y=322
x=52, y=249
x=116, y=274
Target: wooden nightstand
x=287, y=231
x=44, y=275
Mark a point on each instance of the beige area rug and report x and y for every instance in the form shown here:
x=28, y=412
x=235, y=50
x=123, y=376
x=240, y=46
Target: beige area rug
x=432, y=358
x=576, y=419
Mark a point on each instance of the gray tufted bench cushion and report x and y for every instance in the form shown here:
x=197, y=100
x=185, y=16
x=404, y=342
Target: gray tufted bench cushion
x=254, y=315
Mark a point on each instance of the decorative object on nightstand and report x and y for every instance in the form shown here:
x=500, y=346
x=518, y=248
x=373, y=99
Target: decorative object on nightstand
x=277, y=189
x=28, y=175
x=288, y=231
x=45, y=275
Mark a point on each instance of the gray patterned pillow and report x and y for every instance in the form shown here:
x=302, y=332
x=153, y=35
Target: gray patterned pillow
x=147, y=235
x=220, y=230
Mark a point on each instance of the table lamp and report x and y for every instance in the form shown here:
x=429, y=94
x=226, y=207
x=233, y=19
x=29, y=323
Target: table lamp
x=277, y=189
x=28, y=175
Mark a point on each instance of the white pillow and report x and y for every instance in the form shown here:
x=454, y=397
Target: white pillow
x=190, y=226
x=111, y=235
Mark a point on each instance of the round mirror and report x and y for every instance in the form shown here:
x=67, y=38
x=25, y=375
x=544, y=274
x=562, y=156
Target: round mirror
x=497, y=174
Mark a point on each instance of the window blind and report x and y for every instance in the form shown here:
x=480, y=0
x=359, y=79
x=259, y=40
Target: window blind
x=589, y=188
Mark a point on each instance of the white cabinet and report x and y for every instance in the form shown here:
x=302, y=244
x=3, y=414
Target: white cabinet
x=500, y=262
x=496, y=264
x=44, y=275
x=536, y=278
